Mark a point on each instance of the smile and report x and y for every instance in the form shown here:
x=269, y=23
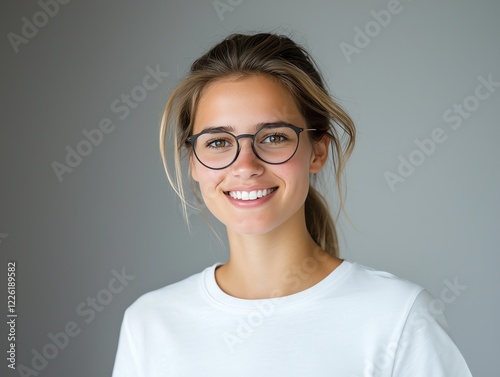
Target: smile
x=250, y=195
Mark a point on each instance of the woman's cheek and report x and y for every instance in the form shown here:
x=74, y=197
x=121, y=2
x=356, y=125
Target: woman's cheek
x=209, y=183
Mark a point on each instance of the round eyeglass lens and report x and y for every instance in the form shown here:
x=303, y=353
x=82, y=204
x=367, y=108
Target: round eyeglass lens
x=276, y=144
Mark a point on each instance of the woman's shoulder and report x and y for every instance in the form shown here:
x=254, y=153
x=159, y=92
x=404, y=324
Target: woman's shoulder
x=380, y=278
x=183, y=292
x=378, y=284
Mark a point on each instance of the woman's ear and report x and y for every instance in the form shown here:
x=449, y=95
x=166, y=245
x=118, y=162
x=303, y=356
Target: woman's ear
x=319, y=154
x=192, y=168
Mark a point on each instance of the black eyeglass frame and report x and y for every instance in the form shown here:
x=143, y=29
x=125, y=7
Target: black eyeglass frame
x=192, y=140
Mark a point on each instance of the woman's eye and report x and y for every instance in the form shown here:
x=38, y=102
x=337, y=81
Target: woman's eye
x=218, y=143
x=274, y=139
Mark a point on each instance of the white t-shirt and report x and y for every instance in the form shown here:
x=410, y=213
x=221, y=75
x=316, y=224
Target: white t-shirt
x=356, y=322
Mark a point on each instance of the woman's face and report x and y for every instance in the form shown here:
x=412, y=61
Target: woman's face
x=242, y=104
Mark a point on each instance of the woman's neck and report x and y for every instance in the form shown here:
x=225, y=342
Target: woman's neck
x=279, y=263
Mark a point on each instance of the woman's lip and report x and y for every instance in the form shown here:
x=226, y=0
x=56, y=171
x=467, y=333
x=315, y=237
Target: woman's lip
x=247, y=203
x=251, y=188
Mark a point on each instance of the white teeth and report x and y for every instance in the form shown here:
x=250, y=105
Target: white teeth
x=250, y=195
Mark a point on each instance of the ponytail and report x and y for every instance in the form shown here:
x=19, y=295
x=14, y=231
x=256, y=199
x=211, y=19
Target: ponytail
x=320, y=223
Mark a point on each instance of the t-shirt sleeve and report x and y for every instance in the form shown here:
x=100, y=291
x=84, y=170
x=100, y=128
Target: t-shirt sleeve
x=426, y=347
x=126, y=363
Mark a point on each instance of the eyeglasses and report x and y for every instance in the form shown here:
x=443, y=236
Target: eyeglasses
x=274, y=144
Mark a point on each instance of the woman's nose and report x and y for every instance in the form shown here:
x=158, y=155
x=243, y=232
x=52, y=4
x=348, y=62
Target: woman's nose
x=247, y=164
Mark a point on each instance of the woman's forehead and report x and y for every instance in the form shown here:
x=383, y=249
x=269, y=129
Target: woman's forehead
x=245, y=101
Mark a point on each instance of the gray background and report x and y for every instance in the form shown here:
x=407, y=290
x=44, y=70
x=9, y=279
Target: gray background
x=116, y=209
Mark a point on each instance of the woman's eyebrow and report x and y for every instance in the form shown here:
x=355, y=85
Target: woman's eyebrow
x=277, y=123
x=218, y=128
x=228, y=128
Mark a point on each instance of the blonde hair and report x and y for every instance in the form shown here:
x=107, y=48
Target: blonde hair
x=287, y=62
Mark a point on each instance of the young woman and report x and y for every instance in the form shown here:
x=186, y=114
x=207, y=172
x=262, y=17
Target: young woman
x=255, y=124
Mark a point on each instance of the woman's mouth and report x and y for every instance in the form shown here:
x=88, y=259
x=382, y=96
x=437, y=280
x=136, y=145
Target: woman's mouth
x=250, y=195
